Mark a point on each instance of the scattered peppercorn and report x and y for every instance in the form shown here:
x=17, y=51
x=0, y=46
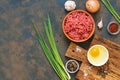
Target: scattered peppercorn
x=72, y=66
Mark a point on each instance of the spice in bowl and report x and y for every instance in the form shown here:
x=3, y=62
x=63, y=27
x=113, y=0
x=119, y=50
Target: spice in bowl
x=113, y=28
x=72, y=66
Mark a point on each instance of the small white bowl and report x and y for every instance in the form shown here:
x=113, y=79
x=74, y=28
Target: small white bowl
x=101, y=58
x=115, y=33
x=77, y=66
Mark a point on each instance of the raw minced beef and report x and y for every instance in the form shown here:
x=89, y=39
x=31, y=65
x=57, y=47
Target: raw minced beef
x=78, y=25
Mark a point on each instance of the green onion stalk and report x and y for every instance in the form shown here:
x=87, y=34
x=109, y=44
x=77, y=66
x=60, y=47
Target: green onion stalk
x=52, y=53
x=111, y=9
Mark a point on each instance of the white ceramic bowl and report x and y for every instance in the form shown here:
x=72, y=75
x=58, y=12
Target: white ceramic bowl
x=77, y=64
x=97, y=55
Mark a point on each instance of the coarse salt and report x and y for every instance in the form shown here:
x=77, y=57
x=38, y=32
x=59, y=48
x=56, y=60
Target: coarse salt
x=78, y=49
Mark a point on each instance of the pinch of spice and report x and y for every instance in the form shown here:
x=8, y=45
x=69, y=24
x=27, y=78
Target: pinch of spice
x=113, y=28
x=72, y=66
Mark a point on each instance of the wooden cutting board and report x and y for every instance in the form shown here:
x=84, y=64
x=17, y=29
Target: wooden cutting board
x=109, y=71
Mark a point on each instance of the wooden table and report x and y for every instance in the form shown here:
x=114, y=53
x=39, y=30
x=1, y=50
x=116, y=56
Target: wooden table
x=21, y=57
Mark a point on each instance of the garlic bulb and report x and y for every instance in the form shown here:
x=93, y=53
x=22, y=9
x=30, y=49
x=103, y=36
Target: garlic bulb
x=70, y=5
x=100, y=24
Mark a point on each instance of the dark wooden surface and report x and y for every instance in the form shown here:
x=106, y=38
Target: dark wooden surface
x=21, y=57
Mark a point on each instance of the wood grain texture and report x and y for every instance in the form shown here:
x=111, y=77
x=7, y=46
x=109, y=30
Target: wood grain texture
x=109, y=71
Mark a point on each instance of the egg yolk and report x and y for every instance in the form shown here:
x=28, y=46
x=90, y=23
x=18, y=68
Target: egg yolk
x=94, y=52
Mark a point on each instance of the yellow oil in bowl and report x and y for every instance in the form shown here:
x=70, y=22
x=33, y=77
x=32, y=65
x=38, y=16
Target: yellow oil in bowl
x=97, y=55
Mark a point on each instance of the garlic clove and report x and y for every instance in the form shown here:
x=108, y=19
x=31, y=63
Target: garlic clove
x=100, y=24
x=70, y=5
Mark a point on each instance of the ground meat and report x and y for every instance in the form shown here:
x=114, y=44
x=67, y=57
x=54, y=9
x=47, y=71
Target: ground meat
x=78, y=25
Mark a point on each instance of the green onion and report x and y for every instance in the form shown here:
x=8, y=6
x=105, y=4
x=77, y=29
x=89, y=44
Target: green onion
x=52, y=53
x=111, y=9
